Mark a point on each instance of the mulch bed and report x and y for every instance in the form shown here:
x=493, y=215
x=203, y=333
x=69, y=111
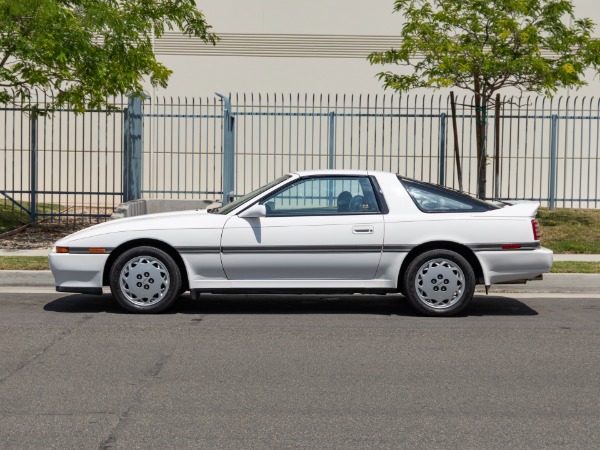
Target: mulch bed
x=41, y=236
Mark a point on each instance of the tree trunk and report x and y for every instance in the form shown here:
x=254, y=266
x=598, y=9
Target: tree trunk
x=481, y=104
x=456, y=146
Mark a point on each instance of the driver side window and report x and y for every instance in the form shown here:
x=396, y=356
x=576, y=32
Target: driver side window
x=324, y=196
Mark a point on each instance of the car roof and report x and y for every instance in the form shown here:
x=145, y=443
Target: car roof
x=308, y=173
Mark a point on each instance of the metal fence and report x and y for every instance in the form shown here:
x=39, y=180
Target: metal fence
x=60, y=164
x=63, y=165
x=549, y=148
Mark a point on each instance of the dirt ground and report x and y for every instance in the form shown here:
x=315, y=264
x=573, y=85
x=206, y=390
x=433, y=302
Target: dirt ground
x=41, y=236
x=50, y=229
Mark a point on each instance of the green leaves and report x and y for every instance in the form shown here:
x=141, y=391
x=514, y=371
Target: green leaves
x=487, y=45
x=526, y=44
x=87, y=50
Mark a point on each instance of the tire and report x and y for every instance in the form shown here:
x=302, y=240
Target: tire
x=145, y=280
x=439, y=283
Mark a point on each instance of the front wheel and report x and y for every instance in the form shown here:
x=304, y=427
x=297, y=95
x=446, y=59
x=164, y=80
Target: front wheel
x=145, y=280
x=439, y=283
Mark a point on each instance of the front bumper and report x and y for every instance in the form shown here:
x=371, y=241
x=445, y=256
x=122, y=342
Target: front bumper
x=80, y=290
x=78, y=273
x=506, y=265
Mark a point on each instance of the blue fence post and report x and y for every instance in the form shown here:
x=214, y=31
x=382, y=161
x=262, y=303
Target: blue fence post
x=442, y=146
x=132, y=149
x=33, y=179
x=553, y=155
x=126, y=154
x=331, y=146
x=228, y=150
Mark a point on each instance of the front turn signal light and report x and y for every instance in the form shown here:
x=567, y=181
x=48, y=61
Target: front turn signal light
x=62, y=249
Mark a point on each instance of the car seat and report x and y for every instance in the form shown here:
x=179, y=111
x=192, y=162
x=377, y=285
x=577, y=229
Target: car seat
x=343, y=201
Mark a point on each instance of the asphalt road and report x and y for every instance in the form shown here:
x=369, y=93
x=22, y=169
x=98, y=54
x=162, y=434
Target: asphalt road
x=519, y=371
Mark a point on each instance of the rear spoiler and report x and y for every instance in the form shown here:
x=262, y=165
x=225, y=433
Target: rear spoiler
x=526, y=209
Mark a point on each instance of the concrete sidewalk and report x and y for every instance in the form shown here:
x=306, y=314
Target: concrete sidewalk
x=37, y=252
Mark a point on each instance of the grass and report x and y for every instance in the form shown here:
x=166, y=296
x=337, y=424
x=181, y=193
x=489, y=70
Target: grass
x=575, y=267
x=41, y=263
x=570, y=230
x=24, y=263
x=11, y=218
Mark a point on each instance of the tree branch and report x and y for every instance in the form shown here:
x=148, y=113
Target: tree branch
x=6, y=56
x=15, y=84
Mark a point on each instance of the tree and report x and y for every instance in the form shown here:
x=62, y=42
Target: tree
x=487, y=45
x=84, y=51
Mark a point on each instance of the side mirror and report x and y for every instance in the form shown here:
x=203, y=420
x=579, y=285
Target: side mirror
x=254, y=211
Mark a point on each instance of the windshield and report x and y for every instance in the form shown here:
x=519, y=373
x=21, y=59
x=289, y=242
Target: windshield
x=231, y=206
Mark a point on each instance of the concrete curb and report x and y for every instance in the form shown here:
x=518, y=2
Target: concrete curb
x=559, y=283
x=27, y=278
x=552, y=283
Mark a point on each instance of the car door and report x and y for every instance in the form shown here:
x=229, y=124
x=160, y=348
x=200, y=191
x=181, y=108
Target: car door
x=316, y=228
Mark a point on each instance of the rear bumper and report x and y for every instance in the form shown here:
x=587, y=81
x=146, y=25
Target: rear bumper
x=505, y=266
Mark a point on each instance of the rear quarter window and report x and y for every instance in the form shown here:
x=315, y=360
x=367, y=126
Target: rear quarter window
x=431, y=198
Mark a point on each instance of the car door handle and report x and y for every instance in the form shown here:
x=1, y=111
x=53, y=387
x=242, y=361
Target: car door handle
x=363, y=229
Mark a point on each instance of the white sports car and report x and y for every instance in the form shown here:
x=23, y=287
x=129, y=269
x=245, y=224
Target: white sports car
x=319, y=231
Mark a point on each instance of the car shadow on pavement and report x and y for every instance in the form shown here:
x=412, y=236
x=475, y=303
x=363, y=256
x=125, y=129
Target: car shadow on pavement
x=292, y=304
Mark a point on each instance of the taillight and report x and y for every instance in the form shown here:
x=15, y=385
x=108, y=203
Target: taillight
x=536, y=230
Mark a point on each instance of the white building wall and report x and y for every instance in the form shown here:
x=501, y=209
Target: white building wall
x=285, y=46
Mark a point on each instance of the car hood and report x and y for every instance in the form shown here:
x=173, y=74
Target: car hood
x=196, y=219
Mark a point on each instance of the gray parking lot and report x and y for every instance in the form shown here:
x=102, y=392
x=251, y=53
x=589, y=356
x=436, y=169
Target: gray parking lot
x=516, y=370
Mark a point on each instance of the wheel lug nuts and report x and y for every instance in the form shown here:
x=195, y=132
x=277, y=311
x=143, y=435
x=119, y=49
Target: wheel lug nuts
x=139, y=277
x=436, y=288
x=151, y=280
x=146, y=274
x=139, y=284
x=434, y=281
x=146, y=287
x=443, y=288
x=440, y=277
x=446, y=282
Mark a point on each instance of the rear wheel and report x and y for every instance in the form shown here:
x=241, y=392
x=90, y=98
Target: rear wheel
x=145, y=280
x=439, y=283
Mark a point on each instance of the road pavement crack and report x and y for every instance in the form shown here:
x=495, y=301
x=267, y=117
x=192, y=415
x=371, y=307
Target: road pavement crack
x=62, y=335
x=111, y=441
x=198, y=319
x=157, y=368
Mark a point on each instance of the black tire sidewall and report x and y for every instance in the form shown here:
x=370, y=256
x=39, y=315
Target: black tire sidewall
x=411, y=274
x=175, y=285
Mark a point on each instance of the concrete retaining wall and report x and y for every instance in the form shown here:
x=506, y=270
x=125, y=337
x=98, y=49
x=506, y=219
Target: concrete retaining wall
x=151, y=206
